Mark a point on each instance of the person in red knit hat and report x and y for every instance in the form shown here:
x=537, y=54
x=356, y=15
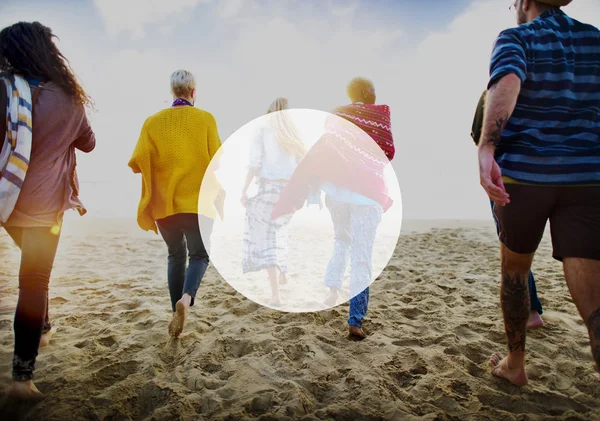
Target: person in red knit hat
x=347, y=163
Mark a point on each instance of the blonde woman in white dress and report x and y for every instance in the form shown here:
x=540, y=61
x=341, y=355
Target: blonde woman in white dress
x=275, y=152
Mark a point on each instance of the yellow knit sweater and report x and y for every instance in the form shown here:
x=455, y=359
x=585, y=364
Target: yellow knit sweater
x=172, y=154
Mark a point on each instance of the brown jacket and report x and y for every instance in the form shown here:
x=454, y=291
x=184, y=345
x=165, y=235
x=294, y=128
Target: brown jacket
x=51, y=186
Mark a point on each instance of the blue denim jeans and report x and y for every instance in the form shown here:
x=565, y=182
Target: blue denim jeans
x=181, y=232
x=533, y=297
x=355, y=227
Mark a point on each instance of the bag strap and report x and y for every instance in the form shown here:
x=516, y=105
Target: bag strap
x=35, y=95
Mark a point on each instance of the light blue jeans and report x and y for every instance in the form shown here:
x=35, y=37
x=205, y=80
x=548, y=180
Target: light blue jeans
x=355, y=227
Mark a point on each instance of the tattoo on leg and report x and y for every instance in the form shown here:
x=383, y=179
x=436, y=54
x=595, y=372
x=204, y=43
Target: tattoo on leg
x=496, y=134
x=593, y=324
x=515, y=308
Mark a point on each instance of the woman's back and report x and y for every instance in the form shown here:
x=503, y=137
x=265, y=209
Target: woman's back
x=175, y=149
x=51, y=187
x=267, y=154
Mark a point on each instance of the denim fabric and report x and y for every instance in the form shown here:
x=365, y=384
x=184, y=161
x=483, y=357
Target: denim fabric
x=355, y=227
x=181, y=233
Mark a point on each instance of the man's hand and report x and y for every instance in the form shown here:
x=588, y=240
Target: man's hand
x=501, y=102
x=490, y=176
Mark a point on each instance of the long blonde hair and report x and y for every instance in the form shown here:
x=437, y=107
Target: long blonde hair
x=287, y=134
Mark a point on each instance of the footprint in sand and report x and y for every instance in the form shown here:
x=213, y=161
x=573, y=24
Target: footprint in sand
x=113, y=374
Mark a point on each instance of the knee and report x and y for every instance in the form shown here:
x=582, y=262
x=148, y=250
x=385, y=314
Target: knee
x=344, y=238
x=201, y=257
x=177, y=255
x=515, y=263
x=35, y=280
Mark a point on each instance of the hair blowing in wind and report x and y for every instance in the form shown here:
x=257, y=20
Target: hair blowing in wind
x=287, y=134
x=28, y=49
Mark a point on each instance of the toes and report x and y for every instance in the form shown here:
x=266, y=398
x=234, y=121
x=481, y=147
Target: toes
x=497, y=372
x=495, y=359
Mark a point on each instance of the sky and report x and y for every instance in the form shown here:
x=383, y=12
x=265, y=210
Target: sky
x=428, y=60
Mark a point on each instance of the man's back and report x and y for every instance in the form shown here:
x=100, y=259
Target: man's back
x=553, y=135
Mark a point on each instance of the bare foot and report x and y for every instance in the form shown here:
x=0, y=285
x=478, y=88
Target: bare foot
x=45, y=339
x=178, y=320
x=25, y=390
x=355, y=332
x=535, y=320
x=501, y=368
x=331, y=299
x=275, y=302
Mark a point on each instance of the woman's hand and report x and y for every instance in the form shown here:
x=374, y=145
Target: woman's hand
x=244, y=199
x=220, y=204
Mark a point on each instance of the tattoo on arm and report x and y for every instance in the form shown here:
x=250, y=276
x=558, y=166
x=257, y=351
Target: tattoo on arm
x=496, y=135
x=514, y=297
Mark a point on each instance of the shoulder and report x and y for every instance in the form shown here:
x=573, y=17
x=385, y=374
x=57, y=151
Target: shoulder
x=383, y=108
x=346, y=108
x=53, y=99
x=514, y=35
x=583, y=30
x=155, y=118
x=263, y=132
x=203, y=114
x=57, y=93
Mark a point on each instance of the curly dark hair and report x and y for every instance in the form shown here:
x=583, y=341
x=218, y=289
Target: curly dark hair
x=28, y=49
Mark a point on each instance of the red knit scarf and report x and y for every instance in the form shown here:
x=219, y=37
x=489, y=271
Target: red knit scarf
x=375, y=120
x=346, y=156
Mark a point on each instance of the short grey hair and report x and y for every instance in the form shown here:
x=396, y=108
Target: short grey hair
x=182, y=82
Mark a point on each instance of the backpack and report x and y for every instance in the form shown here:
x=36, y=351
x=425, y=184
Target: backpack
x=477, y=128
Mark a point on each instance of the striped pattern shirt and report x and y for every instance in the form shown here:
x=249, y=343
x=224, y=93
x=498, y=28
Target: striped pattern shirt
x=553, y=135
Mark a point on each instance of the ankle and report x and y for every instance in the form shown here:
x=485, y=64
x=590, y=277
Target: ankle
x=515, y=360
x=186, y=300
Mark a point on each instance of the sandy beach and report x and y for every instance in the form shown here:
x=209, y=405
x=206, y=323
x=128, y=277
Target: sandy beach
x=433, y=322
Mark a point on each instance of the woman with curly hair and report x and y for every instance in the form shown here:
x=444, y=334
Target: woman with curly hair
x=44, y=126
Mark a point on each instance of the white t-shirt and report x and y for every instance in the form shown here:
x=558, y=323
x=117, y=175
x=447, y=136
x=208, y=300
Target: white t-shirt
x=268, y=159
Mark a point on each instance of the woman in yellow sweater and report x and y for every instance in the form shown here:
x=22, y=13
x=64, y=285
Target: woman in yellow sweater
x=173, y=152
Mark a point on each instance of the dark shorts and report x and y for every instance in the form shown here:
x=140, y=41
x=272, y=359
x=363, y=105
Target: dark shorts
x=573, y=212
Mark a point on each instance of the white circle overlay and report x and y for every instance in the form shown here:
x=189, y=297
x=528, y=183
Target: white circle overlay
x=304, y=240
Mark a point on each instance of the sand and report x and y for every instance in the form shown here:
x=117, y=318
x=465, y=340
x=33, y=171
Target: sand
x=433, y=322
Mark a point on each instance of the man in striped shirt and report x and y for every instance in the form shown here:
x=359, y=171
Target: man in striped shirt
x=539, y=160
